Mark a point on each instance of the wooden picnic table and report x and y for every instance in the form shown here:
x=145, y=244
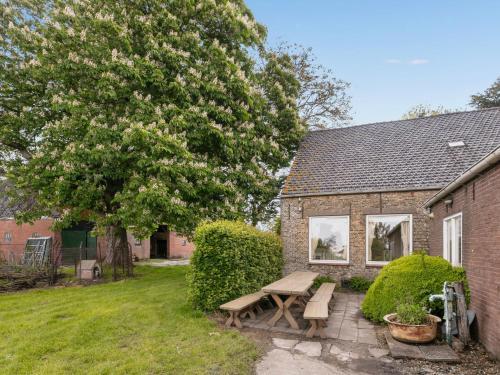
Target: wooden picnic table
x=295, y=285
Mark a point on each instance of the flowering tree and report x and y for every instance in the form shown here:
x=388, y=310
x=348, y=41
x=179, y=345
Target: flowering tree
x=138, y=113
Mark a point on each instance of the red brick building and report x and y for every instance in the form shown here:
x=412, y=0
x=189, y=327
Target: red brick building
x=163, y=244
x=465, y=230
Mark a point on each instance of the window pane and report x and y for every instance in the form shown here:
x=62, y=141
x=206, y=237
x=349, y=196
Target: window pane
x=329, y=238
x=388, y=237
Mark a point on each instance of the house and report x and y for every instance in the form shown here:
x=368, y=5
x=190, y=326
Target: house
x=353, y=200
x=162, y=244
x=465, y=229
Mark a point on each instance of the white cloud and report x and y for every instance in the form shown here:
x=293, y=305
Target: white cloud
x=418, y=61
x=393, y=61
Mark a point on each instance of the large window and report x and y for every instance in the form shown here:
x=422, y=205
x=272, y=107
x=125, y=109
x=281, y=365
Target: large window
x=452, y=239
x=329, y=239
x=388, y=237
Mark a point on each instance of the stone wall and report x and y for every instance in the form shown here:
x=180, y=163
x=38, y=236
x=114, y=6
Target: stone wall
x=295, y=213
x=479, y=203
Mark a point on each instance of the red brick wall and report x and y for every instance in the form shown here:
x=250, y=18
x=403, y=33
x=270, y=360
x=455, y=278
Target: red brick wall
x=479, y=202
x=20, y=233
x=179, y=246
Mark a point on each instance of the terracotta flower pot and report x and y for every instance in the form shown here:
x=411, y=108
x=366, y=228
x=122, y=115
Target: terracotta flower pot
x=413, y=333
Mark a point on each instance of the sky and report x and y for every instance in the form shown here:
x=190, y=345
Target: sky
x=395, y=54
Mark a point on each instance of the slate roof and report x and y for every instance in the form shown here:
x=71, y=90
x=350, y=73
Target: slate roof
x=392, y=156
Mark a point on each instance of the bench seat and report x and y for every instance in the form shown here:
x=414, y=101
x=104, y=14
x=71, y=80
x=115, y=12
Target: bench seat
x=317, y=309
x=245, y=305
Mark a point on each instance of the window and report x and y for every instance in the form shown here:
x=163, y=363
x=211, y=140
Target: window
x=329, y=239
x=7, y=236
x=388, y=237
x=452, y=239
x=35, y=235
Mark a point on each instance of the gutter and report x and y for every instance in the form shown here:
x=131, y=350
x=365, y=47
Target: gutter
x=352, y=192
x=488, y=161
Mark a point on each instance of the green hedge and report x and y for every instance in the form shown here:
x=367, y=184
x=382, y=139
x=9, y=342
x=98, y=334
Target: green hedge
x=411, y=279
x=231, y=259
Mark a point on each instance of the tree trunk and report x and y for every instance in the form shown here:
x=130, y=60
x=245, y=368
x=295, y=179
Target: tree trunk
x=118, y=252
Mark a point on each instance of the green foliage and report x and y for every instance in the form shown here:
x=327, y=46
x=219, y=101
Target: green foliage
x=489, y=98
x=322, y=279
x=231, y=259
x=360, y=283
x=410, y=313
x=132, y=114
x=412, y=277
x=420, y=111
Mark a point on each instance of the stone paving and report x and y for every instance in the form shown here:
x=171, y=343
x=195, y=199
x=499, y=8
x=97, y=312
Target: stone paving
x=290, y=357
x=345, y=322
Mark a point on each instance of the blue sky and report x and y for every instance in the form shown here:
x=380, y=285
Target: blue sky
x=395, y=54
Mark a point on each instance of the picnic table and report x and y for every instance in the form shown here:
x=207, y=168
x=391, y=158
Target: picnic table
x=295, y=285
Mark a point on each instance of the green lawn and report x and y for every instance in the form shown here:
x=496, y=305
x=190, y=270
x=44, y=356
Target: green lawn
x=137, y=326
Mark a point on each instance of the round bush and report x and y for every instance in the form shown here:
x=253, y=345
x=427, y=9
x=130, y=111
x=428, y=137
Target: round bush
x=411, y=279
x=231, y=259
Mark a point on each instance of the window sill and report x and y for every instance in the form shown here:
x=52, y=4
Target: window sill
x=329, y=263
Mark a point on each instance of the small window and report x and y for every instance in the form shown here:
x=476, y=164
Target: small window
x=452, y=239
x=456, y=144
x=329, y=239
x=388, y=237
x=137, y=242
x=7, y=236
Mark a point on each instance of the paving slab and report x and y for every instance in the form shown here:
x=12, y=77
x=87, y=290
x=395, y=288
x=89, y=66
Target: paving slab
x=401, y=350
x=282, y=362
x=284, y=343
x=309, y=348
x=439, y=353
x=377, y=352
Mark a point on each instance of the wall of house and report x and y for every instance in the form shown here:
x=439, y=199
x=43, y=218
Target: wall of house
x=140, y=248
x=479, y=202
x=295, y=215
x=179, y=246
x=20, y=233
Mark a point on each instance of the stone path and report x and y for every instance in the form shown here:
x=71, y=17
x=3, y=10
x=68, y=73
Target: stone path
x=290, y=357
x=429, y=352
x=164, y=263
x=346, y=321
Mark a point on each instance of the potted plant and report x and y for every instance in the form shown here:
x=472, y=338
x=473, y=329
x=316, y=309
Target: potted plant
x=412, y=324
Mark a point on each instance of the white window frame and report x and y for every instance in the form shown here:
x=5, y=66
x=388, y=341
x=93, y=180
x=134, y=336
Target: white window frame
x=338, y=262
x=380, y=263
x=445, y=240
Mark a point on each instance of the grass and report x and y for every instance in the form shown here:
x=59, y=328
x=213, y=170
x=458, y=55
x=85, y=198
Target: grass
x=137, y=326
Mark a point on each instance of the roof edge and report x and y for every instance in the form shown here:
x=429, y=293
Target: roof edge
x=404, y=120
x=489, y=160
x=420, y=188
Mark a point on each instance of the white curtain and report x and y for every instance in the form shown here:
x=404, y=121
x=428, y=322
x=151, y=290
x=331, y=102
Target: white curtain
x=371, y=236
x=405, y=235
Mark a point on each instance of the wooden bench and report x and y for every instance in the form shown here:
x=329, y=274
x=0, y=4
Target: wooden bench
x=243, y=305
x=317, y=309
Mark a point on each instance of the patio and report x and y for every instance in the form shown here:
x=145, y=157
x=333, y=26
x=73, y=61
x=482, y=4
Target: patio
x=345, y=322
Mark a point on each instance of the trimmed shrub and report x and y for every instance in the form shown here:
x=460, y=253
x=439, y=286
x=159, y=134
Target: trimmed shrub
x=412, y=277
x=322, y=279
x=360, y=283
x=231, y=259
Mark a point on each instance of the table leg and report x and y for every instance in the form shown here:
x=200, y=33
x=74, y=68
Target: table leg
x=271, y=322
x=288, y=315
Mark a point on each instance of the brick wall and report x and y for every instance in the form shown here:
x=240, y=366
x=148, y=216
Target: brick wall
x=179, y=246
x=479, y=202
x=20, y=233
x=295, y=215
